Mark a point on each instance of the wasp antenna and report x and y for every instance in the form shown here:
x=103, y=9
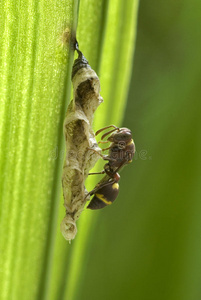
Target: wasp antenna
x=100, y=130
x=104, y=135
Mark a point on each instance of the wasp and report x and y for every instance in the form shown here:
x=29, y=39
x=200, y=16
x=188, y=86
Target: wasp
x=121, y=152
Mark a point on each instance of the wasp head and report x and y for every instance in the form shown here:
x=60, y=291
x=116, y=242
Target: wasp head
x=121, y=136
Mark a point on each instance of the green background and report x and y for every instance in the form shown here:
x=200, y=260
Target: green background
x=147, y=245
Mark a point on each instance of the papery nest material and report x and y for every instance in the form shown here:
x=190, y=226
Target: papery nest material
x=79, y=136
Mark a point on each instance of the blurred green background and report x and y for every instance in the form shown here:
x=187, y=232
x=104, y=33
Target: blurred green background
x=147, y=245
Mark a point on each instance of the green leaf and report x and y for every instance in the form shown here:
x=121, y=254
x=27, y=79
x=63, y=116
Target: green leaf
x=35, y=65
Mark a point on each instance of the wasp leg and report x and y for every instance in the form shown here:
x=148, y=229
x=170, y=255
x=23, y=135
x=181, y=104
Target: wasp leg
x=102, y=172
x=103, y=142
x=105, y=157
x=98, y=186
x=106, y=148
x=100, y=130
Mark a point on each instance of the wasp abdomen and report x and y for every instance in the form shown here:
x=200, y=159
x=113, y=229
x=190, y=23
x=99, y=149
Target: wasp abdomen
x=104, y=196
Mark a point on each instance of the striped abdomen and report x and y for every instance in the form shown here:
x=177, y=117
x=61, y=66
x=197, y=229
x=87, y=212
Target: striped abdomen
x=104, y=196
